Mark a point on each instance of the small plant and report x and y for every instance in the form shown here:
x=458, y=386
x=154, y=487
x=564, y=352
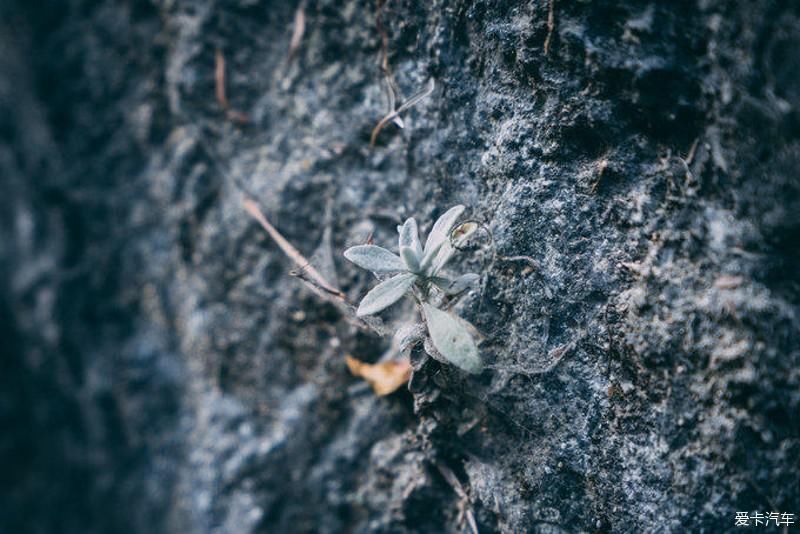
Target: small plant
x=417, y=271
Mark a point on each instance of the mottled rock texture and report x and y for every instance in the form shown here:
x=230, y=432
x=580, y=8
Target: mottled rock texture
x=163, y=373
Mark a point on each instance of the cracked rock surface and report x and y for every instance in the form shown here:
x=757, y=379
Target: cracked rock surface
x=638, y=307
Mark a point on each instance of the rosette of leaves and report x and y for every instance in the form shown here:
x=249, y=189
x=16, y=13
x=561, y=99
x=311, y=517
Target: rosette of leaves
x=417, y=271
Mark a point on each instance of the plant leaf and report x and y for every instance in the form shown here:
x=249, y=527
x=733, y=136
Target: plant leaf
x=442, y=226
x=442, y=257
x=439, y=235
x=375, y=259
x=385, y=294
x=442, y=282
x=410, y=259
x=452, y=339
x=459, y=235
x=410, y=249
x=409, y=237
x=454, y=287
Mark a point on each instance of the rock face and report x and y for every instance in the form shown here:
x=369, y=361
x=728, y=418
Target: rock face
x=636, y=164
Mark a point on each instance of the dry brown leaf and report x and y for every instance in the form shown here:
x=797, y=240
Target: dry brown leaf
x=384, y=377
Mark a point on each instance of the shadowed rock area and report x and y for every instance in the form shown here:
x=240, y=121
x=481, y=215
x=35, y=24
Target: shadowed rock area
x=636, y=164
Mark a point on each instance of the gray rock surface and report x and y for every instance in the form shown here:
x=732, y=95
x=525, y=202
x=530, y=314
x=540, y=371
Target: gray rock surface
x=163, y=373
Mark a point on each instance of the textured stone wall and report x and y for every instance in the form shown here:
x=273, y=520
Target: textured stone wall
x=162, y=372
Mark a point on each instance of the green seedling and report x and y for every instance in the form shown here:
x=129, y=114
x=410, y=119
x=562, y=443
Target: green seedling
x=417, y=271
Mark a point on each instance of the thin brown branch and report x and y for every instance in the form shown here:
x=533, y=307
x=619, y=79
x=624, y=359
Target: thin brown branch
x=391, y=97
x=466, y=513
x=394, y=114
x=384, y=37
x=231, y=114
x=692, y=150
x=288, y=249
x=307, y=274
x=369, y=323
x=219, y=79
x=601, y=169
x=298, y=31
x=391, y=85
x=314, y=284
x=551, y=24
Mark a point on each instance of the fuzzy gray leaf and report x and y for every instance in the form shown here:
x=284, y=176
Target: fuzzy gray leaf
x=409, y=237
x=430, y=350
x=440, y=234
x=375, y=259
x=410, y=248
x=459, y=237
x=451, y=339
x=444, y=254
x=410, y=259
x=385, y=294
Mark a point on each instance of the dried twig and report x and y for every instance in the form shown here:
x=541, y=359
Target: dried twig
x=465, y=509
x=307, y=274
x=692, y=150
x=219, y=88
x=288, y=249
x=391, y=85
x=314, y=285
x=601, y=170
x=368, y=323
x=219, y=79
x=298, y=31
x=551, y=24
x=415, y=99
x=384, y=37
x=391, y=97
